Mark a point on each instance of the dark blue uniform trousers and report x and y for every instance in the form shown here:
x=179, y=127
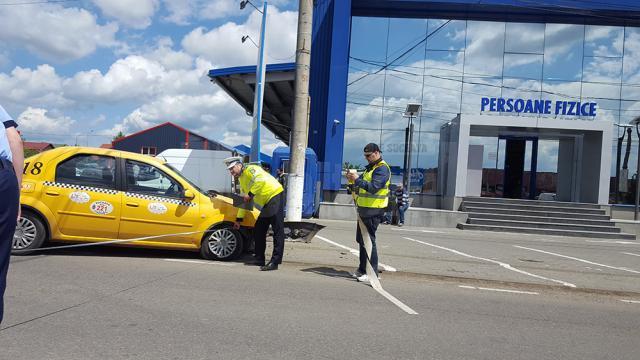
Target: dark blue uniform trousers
x=9, y=195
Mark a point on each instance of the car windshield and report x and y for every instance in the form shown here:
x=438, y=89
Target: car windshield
x=185, y=178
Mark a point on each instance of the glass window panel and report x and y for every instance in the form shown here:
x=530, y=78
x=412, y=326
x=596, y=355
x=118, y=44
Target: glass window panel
x=450, y=37
x=523, y=66
x=525, y=38
x=431, y=120
x=561, y=90
x=630, y=110
x=88, y=170
x=606, y=96
x=426, y=160
x=485, y=48
x=363, y=29
x=367, y=57
x=631, y=73
x=362, y=115
x=146, y=179
x=393, y=113
x=602, y=69
x=354, y=142
x=603, y=40
x=407, y=36
x=563, y=52
x=393, y=148
x=475, y=89
x=521, y=89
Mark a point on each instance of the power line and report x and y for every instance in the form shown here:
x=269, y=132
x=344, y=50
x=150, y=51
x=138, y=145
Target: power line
x=38, y=2
x=404, y=53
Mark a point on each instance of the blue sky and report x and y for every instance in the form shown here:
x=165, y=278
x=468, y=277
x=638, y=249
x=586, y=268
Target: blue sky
x=81, y=71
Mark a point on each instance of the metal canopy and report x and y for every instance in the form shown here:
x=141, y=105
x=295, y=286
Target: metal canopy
x=279, y=96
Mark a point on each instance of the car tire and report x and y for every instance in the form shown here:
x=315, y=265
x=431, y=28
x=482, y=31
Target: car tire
x=30, y=234
x=221, y=243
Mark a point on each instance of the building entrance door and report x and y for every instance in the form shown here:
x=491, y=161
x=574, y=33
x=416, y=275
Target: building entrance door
x=514, y=166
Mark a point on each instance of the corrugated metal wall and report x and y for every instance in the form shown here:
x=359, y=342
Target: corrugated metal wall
x=163, y=138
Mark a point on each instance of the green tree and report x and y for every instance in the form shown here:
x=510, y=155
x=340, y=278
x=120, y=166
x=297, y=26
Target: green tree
x=120, y=135
x=29, y=152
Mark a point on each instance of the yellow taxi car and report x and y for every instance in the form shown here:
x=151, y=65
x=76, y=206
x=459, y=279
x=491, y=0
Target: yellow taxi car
x=75, y=194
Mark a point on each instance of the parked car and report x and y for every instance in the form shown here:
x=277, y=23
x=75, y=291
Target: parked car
x=75, y=194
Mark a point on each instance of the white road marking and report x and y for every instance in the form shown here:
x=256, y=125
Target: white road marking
x=499, y=290
x=632, y=254
x=630, y=301
x=355, y=253
x=613, y=242
x=578, y=259
x=422, y=231
x=375, y=284
x=504, y=265
x=200, y=262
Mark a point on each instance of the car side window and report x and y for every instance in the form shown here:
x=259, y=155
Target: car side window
x=147, y=179
x=88, y=170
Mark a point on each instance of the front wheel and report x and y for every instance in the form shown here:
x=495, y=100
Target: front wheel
x=222, y=243
x=30, y=233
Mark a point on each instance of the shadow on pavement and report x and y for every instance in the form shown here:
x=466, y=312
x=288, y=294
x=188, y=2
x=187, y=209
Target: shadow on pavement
x=122, y=252
x=327, y=271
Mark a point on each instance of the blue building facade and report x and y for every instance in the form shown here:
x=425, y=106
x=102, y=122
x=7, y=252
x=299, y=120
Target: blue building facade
x=370, y=58
x=165, y=136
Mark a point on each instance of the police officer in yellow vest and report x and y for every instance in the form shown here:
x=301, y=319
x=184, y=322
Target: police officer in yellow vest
x=266, y=192
x=372, y=200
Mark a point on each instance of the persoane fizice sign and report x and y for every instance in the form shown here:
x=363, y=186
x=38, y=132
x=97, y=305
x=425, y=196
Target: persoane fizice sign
x=536, y=106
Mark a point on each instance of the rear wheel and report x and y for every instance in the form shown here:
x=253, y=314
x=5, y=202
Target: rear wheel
x=30, y=233
x=221, y=243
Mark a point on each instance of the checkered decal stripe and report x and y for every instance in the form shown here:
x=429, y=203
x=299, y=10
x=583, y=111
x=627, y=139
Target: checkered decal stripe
x=160, y=199
x=81, y=187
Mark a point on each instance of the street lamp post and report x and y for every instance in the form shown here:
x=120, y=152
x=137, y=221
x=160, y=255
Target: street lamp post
x=412, y=110
x=260, y=78
x=619, y=175
x=636, y=122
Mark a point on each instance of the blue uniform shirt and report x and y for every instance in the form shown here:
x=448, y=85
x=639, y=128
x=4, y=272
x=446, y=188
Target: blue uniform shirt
x=5, y=150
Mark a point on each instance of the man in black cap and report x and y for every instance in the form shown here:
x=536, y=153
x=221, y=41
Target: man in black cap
x=372, y=200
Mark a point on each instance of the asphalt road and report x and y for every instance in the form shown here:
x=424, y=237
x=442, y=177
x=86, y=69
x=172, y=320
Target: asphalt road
x=119, y=303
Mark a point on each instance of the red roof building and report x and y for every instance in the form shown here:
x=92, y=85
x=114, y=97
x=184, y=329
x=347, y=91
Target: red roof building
x=37, y=146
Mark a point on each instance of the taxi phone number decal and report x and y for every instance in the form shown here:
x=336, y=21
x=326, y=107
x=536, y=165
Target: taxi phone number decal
x=101, y=208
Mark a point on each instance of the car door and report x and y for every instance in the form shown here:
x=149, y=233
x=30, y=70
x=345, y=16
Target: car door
x=83, y=197
x=153, y=204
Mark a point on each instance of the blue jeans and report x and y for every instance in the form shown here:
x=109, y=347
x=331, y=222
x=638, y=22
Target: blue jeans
x=371, y=223
x=401, y=210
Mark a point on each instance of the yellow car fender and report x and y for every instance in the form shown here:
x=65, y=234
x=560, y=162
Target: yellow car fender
x=47, y=217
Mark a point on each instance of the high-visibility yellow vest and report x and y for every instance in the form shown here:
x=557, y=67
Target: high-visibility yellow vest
x=380, y=199
x=254, y=179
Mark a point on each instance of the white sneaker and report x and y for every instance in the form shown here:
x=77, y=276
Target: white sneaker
x=363, y=278
x=356, y=274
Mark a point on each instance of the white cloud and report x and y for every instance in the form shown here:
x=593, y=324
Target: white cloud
x=135, y=14
x=42, y=121
x=58, y=34
x=41, y=87
x=222, y=46
x=182, y=12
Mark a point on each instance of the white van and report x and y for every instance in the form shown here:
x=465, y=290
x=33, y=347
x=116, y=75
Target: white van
x=202, y=167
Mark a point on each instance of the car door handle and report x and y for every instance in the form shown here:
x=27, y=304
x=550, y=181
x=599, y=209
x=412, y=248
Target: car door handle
x=52, y=193
x=132, y=204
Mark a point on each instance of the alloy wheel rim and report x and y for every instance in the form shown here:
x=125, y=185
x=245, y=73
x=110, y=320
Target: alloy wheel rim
x=222, y=243
x=25, y=234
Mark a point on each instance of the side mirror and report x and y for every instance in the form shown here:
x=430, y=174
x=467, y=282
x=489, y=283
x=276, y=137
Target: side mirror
x=188, y=194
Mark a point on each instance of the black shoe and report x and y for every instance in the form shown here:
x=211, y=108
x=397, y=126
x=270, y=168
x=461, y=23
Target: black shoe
x=270, y=266
x=258, y=262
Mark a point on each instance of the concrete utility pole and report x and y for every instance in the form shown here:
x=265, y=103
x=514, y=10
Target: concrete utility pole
x=298, y=144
